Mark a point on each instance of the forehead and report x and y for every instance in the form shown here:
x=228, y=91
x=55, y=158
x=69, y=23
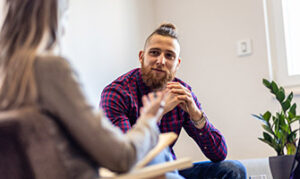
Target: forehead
x=163, y=43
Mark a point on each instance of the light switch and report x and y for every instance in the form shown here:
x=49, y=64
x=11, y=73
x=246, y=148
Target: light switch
x=244, y=47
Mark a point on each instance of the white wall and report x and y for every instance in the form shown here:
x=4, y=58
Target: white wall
x=228, y=86
x=1, y=12
x=103, y=39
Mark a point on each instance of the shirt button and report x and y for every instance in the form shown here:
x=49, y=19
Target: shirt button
x=200, y=133
x=205, y=148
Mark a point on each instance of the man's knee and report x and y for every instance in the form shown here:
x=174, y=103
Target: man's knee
x=233, y=169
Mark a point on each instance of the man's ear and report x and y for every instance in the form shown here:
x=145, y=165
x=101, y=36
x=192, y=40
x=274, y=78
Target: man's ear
x=141, y=56
x=178, y=64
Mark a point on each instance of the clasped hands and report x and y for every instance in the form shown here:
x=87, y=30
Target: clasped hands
x=177, y=94
x=157, y=104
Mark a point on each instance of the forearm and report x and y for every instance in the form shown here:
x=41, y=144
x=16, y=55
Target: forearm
x=212, y=143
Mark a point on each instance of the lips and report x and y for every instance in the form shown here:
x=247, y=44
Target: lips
x=158, y=70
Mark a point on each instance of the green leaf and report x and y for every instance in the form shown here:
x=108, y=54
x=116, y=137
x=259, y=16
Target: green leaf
x=285, y=128
x=268, y=142
x=291, y=148
x=267, y=137
x=293, y=109
x=267, y=116
x=274, y=87
x=268, y=129
x=280, y=95
x=258, y=117
x=274, y=145
x=292, y=136
x=290, y=97
x=275, y=123
x=290, y=117
x=267, y=83
x=296, y=118
x=285, y=105
x=281, y=118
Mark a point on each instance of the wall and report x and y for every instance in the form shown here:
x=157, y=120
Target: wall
x=103, y=39
x=228, y=86
x=1, y=12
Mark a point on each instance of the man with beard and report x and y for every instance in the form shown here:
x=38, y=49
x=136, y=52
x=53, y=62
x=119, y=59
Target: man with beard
x=121, y=102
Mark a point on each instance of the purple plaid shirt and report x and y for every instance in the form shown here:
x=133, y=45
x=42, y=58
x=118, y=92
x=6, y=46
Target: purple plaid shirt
x=121, y=101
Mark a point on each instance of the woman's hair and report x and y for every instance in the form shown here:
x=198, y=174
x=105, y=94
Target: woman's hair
x=23, y=29
x=165, y=29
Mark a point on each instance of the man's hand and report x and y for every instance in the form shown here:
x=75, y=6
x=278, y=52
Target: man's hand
x=182, y=96
x=171, y=101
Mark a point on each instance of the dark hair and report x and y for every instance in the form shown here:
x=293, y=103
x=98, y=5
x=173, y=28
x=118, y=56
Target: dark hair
x=165, y=29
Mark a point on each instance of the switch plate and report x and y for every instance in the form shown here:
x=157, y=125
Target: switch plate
x=244, y=47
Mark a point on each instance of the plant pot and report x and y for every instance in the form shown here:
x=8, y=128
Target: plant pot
x=281, y=166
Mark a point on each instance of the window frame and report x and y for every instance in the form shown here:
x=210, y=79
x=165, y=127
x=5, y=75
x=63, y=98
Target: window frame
x=276, y=46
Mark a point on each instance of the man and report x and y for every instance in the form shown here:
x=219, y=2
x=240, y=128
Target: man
x=121, y=101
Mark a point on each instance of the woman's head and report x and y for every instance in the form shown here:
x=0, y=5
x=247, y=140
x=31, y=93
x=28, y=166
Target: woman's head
x=26, y=25
x=27, y=21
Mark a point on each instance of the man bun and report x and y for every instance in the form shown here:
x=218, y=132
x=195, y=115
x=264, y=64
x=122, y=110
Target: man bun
x=167, y=26
x=165, y=29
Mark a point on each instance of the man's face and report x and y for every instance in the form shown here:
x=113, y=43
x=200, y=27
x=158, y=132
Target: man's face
x=159, y=61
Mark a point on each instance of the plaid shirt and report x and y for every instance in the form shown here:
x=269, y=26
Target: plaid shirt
x=121, y=101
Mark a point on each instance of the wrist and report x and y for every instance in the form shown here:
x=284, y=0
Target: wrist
x=198, y=119
x=200, y=123
x=197, y=115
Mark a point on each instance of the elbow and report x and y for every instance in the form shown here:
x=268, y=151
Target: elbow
x=124, y=166
x=218, y=157
x=125, y=161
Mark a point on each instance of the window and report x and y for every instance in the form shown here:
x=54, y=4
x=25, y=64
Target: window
x=283, y=40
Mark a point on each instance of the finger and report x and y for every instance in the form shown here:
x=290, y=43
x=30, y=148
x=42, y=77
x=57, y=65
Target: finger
x=145, y=100
x=177, y=86
x=141, y=110
x=151, y=96
x=184, y=106
x=181, y=92
x=184, y=98
x=172, y=82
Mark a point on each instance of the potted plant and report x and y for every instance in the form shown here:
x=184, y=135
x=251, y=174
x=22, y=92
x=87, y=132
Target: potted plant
x=278, y=132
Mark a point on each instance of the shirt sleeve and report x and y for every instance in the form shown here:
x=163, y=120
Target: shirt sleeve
x=113, y=102
x=209, y=139
x=61, y=95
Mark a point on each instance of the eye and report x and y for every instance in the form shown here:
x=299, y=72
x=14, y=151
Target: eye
x=154, y=53
x=170, y=56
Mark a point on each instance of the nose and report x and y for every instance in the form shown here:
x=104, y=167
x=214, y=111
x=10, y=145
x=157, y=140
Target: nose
x=161, y=59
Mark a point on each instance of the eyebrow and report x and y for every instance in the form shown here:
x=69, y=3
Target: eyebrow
x=155, y=49
x=170, y=51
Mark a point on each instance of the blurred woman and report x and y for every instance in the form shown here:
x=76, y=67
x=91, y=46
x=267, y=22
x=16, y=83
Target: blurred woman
x=32, y=76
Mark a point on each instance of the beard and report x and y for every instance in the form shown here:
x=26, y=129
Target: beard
x=153, y=81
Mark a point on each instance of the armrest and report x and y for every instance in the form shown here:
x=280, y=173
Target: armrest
x=153, y=170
